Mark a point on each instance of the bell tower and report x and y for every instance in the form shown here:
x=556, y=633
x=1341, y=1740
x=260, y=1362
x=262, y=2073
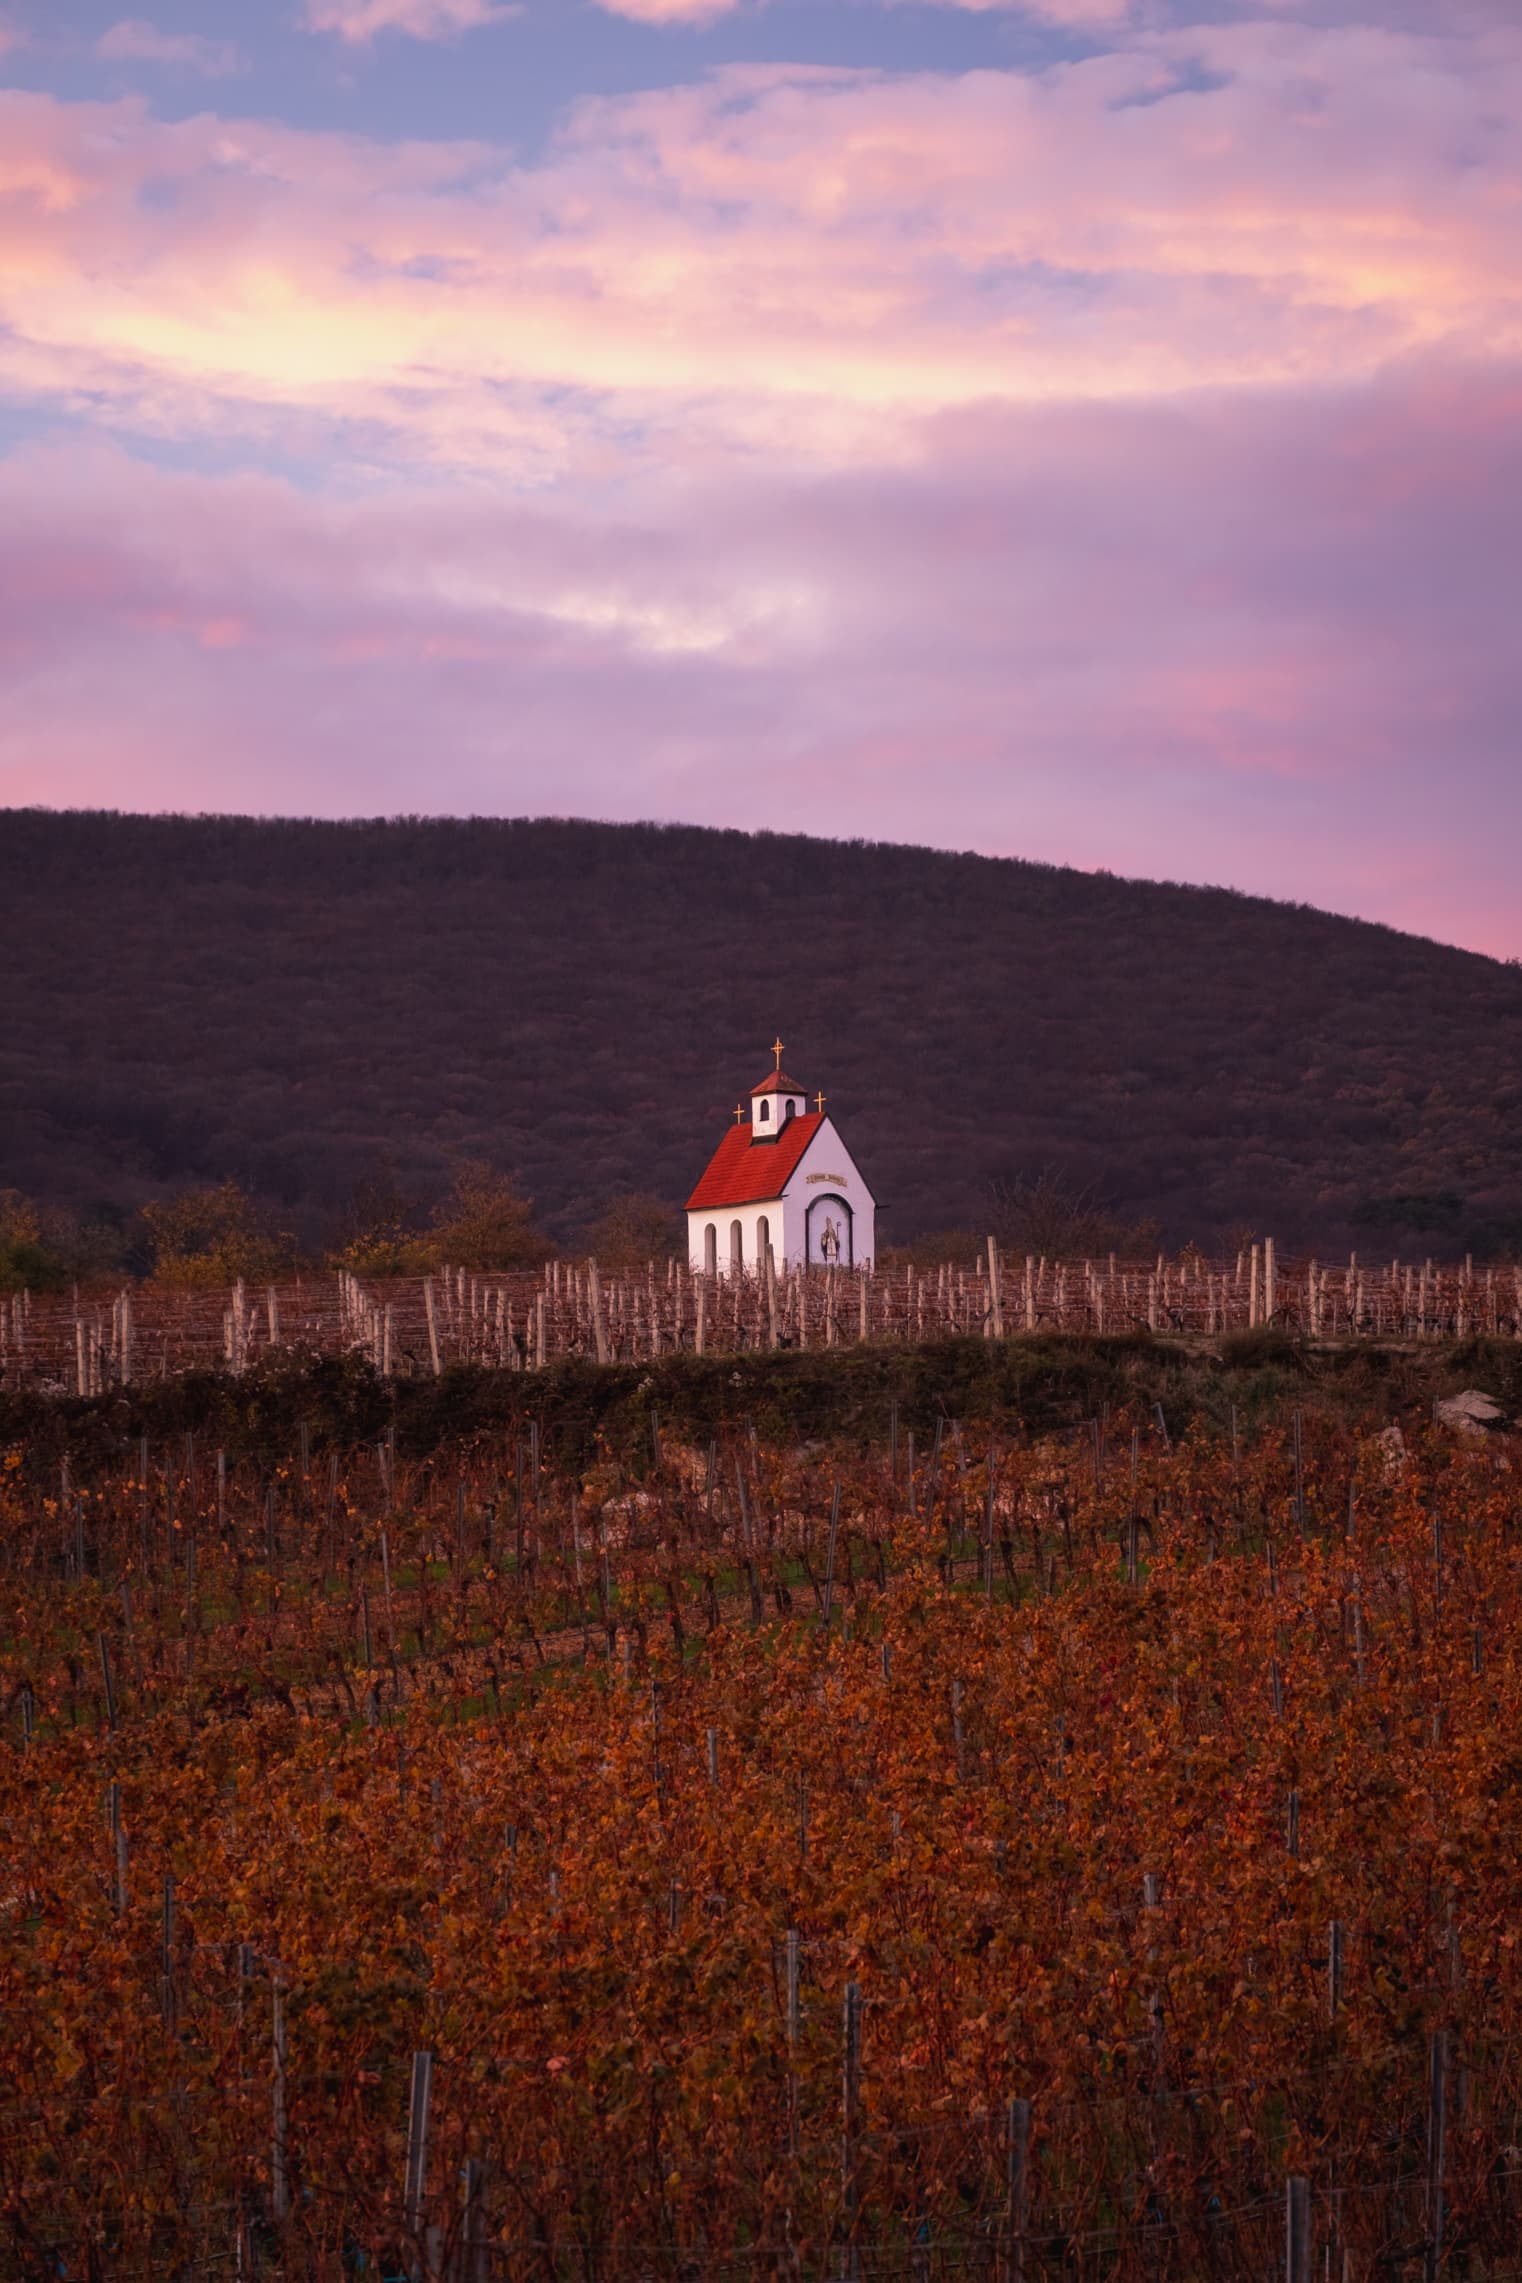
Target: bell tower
x=777, y=1099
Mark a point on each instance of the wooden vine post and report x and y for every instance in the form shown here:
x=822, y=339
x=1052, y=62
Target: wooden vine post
x=599, y=1322
x=850, y=2104
x=280, y=2179
x=1017, y=2133
x=433, y=1327
x=415, y=2186
x=1297, y=2230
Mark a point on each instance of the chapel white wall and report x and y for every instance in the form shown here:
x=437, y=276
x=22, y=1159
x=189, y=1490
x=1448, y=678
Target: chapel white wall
x=787, y=1216
x=827, y=1154
x=750, y=1218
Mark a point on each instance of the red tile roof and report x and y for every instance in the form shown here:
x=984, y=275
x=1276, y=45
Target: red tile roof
x=743, y=1171
x=775, y=1083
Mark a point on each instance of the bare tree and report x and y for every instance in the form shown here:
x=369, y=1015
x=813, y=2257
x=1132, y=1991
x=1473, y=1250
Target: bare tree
x=1046, y=1214
x=635, y=1229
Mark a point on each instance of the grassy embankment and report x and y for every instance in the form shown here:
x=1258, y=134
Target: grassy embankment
x=1023, y=1386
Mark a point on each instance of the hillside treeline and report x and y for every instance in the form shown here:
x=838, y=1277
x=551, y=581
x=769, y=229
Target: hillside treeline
x=330, y=1013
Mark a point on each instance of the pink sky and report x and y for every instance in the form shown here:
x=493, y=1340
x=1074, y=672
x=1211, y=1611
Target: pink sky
x=1105, y=454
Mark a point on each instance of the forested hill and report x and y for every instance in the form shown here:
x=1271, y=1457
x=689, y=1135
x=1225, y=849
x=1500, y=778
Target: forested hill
x=309, y=1006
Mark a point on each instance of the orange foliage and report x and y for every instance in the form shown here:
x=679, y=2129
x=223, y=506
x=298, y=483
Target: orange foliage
x=537, y=1772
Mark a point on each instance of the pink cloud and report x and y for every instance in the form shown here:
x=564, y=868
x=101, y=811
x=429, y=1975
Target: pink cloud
x=134, y=41
x=1111, y=463
x=814, y=252
x=358, y=21
x=670, y=11
x=1263, y=642
x=1078, y=14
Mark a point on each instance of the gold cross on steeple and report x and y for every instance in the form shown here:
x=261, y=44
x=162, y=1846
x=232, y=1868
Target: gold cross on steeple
x=819, y=1103
x=777, y=1051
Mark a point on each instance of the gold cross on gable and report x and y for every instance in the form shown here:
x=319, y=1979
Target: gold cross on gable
x=739, y=1112
x=777, y=1051
x=819, y=1103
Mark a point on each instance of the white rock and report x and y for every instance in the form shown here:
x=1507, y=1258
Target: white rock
x=1470, y=1413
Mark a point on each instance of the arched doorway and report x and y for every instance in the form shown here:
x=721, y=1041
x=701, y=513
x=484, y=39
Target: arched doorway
x=830, y=1237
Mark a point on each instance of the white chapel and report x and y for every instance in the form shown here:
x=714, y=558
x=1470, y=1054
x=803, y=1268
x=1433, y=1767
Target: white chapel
x=781, y=1180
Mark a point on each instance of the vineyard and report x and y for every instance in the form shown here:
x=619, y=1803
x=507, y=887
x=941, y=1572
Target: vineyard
x=1096, y=1855
x=408, y=1327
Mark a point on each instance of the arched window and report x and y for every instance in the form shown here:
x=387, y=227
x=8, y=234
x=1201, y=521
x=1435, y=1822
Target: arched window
x=710, y=1250
x=788, y=1112
x=736, y=1245
x=765, y=1113
x=763, y=1240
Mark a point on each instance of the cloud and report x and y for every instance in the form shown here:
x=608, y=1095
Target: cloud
x=1118, y=16
x=358, y=21
x=1250, y=640
x=134, y=41
x=1077, y=15
x=1114, y=15
x=671, y=11
x=1111, y=462
x=796, y=259
x=1070, y=14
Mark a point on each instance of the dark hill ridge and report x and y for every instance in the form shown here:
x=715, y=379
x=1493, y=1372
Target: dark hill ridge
x=302, y=1004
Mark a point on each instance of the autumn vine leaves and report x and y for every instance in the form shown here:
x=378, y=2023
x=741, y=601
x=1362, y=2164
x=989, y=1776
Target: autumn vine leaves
x=563, y=1779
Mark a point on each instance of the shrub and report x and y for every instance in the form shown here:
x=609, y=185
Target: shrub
x=213, y=1235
